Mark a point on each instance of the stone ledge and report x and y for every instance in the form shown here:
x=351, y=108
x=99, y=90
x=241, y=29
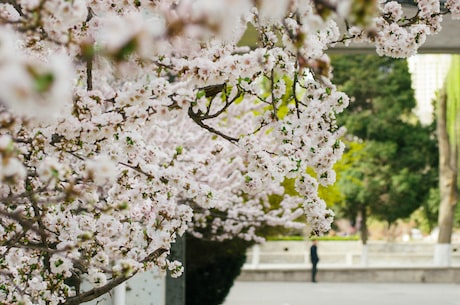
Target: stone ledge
x=356, y=274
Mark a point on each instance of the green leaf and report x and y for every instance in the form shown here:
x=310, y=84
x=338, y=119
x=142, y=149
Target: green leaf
x=125, y=51
x=200, y=94
x=43, y=82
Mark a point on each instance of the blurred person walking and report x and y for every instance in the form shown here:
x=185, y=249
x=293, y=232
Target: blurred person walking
x=314, y=260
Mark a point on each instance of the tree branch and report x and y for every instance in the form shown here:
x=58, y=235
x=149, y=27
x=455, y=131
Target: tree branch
x=199, y=121
x=97, y=292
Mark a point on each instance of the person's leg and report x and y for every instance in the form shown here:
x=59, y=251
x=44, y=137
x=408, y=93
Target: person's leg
x=313, y=273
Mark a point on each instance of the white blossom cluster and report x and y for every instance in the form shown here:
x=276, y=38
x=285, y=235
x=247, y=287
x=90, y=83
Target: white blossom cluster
x=124, y=124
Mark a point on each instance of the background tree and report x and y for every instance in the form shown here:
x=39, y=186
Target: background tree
x=392, y=156
x=448, y=134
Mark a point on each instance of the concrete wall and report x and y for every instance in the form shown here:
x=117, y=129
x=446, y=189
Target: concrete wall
x=410, y=262
x=340, y=253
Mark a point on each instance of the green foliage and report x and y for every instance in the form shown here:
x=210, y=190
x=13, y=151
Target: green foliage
x=390, y=163
x=286, y=238
x=322, y=238
x=338, y=238
x=43, y=82
x=331, y=194
x=426, y=217
x=457, y=216
x=211, y=268
x=381, y=91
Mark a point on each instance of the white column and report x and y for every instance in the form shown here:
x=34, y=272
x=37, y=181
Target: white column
x=442, y=255
x=364, y=256
x=119, y=294
x=349, y=258
x=255, y=256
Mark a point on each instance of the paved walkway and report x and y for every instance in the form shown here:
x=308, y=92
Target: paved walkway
x=304, y=293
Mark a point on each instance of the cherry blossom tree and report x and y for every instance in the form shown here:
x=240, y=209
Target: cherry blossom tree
x=126, y=123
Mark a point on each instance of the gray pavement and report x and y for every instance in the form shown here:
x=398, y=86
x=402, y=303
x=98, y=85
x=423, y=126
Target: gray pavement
x=305, y=293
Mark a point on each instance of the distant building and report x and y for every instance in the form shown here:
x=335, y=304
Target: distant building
x=428, y=75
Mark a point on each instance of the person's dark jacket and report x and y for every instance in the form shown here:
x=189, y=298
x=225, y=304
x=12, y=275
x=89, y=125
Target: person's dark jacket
x=314, y=255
